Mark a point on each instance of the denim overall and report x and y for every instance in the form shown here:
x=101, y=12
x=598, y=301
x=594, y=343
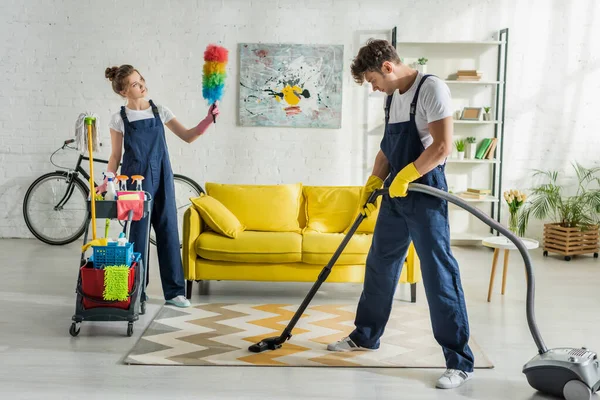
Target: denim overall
x=146, y=154
x=422, y=219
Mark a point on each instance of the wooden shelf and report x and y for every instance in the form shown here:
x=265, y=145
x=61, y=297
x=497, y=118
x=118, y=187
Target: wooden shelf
x=471, y=161
x=459, y=121
x=487, y=199
x=453, y=81
x=456, y=42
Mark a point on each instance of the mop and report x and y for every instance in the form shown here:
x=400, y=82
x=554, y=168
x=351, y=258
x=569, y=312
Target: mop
x=86, y=135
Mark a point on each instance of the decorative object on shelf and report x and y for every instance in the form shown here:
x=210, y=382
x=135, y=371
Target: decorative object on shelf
x=471, y=114
x=574, y=219
x=291, y=85
x=515, y=200
x=487, y=116
x=471, y=148
x=468, y=75
x=486, y=149
x=460, y=148
x=422, y=65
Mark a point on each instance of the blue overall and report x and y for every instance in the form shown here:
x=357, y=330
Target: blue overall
x=146, y=154
x=423, y=219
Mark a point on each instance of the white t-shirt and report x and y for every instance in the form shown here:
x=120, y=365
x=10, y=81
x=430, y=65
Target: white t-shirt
x=116, y=122
x=434, y=103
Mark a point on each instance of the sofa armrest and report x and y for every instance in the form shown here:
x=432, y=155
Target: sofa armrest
x=413, y=265
x=192, y=228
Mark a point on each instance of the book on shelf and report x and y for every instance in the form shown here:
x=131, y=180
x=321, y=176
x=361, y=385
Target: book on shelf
x=479, y=191
x=472, y=195
x=486, y=149
x=468, y=75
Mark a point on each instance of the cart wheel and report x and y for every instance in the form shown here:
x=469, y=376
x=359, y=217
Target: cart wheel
x=567, y=258
x=143, y=308
x=130, y=329
x=74, y=329
x=545, y=253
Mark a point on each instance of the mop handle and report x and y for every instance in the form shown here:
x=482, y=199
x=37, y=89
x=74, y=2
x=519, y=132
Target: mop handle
x=88, y=122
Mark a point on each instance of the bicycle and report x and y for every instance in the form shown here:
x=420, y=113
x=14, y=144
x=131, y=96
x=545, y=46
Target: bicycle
x=67, y=211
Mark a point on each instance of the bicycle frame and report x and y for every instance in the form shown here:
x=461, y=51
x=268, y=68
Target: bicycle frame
x=74, y=173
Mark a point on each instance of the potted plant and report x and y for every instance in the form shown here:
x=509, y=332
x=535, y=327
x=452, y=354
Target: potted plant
x=487, y=116
x=460, y=148
x=471, y=148
x=574, y=218
x=422, y=64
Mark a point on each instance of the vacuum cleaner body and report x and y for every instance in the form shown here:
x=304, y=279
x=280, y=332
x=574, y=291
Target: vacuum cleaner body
x=564, y=371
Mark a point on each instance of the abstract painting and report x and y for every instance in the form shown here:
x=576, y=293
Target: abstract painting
x=291, y=85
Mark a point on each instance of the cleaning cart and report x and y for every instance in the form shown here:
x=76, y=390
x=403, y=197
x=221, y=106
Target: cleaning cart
x=90, y=304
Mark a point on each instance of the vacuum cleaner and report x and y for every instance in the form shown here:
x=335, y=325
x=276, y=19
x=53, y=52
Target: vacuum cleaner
x=571, y=373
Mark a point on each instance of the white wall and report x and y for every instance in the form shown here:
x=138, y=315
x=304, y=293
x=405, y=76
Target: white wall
x=53, y=56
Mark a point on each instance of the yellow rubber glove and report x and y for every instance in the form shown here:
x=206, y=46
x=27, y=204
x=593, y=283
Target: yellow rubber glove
x=373, y=183
x=399, y=186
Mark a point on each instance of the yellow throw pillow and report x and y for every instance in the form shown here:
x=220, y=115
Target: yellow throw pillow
x=271, y=208
x=329, y=209
x=217, y=216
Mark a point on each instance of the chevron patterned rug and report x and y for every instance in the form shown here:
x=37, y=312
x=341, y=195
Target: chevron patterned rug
x=219, y=334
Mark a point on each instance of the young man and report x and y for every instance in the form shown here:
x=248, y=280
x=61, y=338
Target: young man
x=417, y=140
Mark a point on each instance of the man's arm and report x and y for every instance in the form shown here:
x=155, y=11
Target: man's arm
x=441, y=132
x=381, y=167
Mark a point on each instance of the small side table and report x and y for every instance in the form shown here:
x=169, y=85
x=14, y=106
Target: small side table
x=498, y=243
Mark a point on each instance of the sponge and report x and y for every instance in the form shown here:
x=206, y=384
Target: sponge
x=116, y=283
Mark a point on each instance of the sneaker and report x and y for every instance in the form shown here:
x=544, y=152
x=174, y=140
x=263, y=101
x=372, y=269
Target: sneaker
x=179, y=301
x=453, y=378
x=346, y=344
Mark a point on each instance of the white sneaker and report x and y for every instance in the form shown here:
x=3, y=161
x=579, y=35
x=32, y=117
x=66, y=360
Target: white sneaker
x=453, y=378
x=346, y=344
x=179, y=301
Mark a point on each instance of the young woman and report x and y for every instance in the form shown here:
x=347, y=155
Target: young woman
x=138, y=128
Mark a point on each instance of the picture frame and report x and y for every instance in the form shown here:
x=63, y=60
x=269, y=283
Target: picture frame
x=471, y=113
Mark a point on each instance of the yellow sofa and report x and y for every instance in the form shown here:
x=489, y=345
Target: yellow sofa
x=285, y=232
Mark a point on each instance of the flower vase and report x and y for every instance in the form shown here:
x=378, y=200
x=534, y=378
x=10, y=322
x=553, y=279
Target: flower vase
x=513, y=222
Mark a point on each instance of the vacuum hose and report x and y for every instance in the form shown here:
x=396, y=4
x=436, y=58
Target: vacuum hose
x=417, y=187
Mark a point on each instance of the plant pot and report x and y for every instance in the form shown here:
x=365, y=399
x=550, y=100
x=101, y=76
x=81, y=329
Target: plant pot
x=487, y=116
x=422, y=68
x=461, y=155
x=471, y=150
x=570, y=241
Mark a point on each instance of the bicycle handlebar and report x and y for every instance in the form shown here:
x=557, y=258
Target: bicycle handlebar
x=69, y=141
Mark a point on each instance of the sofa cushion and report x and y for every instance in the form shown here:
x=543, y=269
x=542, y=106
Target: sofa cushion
x=217, y=216
x=251, y=246
x=329, y=209
x=270, y=208
x=318, y=248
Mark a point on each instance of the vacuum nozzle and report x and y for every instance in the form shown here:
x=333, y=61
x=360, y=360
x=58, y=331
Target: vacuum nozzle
x=272, y=343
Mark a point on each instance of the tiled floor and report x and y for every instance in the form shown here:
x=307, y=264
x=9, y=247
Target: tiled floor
x=40, y=360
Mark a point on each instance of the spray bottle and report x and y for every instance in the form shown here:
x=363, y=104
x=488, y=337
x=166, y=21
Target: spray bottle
x=111, y=188
x=138, y=182
x=122, y=179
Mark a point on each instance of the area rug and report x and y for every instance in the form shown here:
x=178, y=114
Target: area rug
x=219, y=334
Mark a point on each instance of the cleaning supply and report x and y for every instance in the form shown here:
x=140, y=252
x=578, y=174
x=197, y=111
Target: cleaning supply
x=111, y=188
x=106, y=227
x=116, y=283
x=137, y=179
x=122, y=240
x=89, y=120
x=94, y=242
x=213, y=80
x=122, y=181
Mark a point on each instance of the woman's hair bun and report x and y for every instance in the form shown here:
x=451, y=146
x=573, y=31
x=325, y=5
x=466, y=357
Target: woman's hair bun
x=111, y=72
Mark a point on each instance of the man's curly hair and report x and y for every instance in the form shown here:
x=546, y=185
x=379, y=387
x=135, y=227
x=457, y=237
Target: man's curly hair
x=371, y=57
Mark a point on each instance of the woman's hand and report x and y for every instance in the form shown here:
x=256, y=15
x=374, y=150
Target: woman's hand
x=213, y=111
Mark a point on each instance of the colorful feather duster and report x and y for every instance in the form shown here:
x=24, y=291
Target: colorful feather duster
x=213, y=80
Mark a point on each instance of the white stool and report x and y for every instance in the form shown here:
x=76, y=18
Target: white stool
x=502, y=242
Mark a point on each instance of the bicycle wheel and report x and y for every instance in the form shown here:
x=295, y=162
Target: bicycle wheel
x=184, y=189
x=55, y=208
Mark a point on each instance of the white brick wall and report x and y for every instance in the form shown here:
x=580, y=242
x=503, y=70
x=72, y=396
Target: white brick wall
x=53, y=56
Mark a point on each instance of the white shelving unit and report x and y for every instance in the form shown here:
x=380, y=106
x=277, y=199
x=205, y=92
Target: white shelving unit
x=445, y=58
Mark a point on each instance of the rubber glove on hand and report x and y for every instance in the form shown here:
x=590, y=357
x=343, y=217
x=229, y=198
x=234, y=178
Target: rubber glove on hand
x=213, y=111
x=102, y=188
x=373, y=183
x=399, y=186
